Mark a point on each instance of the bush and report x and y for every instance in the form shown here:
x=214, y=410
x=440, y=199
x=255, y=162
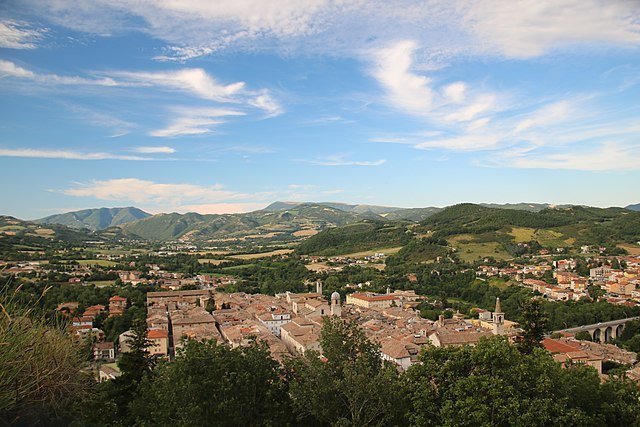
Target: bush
x=39, y=366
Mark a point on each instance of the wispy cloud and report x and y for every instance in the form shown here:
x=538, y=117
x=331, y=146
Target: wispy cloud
x=195, y=121
x=445, y=28
x=341, y=160
x=10, y=69
x=150, y=193
x=19, y=35
x=158, y=197
x=405, y=89
x=66, y=154
x=154, y=150
x=608, y=156
x=192, y=80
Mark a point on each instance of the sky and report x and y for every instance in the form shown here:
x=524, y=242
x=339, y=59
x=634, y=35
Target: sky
x=227, y=106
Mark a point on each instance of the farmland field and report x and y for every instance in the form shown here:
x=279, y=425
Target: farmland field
x=100, y=262
x=262, y=254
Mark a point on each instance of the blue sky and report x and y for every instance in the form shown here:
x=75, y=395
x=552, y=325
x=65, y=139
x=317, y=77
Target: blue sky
x=227, y=106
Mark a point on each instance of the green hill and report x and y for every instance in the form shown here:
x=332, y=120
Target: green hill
x=95, y=219
x=357, y=237
x=265, y=226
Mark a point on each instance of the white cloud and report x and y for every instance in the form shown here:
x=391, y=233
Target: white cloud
x=195, y=121
x=154, y=150
x=151, y=193
x=455, y=92
x=405, y=89
x=10, y=69
x=340, y=160
x=18, y=35
x=481, y=104
x=445, y=28
x=608, y=156
x=65, y=154
x=173, y=197
x=529, y=28
x=194, y=80
x=547, y=115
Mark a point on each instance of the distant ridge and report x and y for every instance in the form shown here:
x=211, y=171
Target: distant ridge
x=96, y=219
x=635, y=207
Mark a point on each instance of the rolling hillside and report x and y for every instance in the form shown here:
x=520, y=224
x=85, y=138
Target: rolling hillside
x=265, y=226
x=357, y=237
x=95, y=219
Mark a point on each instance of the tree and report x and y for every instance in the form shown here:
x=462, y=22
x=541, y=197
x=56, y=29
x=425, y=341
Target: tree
x=583, y=336
x=534, y=323
x=349, y=384
x=212, y=384
x=494, y=384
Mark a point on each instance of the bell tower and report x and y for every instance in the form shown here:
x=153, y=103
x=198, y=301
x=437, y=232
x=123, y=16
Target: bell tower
x=498, y=319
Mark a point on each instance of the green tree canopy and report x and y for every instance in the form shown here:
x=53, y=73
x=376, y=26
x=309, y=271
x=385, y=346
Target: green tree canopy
x=349, y=386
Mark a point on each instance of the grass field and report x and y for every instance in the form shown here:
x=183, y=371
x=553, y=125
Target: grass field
x=237, y=267
x=632, y=249
x=212, y=261
x=262, y=254
x=522, y=234
x=101, y=283
x=469, y=250
x=305, y=233
x=12, y=228
x=100, y=262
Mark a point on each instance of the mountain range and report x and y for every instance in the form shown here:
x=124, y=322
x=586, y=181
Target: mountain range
x=278, y=223
x=95, y=219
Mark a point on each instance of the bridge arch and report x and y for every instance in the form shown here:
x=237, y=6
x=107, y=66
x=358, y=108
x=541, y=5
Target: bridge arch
x=607, y=333
x=619, y=330
x=596, y=335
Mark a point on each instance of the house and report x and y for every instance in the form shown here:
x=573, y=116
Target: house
x=104, y=351
x=117, y=305
x=159, y=340
x=567, y=352
x=403, y=354
x=108, y=371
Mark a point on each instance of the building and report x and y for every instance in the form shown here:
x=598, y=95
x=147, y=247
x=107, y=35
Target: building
x=443, y=338
x=567, y=352
x=300, y=335
x=273, y=320
x=104, y=351
x=117, y=305
x=159, y=340
x=371, y=300
x=498, y=319
x=403, y=354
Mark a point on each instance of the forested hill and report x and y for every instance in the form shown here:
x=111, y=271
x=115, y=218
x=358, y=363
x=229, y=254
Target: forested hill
x=96, y=219
x=363, y=236
x=589, y=223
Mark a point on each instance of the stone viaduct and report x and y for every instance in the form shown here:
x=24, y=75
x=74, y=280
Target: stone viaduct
x=602, y=332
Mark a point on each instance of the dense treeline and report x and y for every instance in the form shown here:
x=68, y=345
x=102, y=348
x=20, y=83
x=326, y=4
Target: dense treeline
x=492, y=384
x=270, y=276
x=356, y=238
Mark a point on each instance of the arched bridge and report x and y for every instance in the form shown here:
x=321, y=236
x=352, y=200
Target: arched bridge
x=602, y=332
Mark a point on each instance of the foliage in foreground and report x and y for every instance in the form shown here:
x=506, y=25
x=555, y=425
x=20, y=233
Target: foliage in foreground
x=40, y=366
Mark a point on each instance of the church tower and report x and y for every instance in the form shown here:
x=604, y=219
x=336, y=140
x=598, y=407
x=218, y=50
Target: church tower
x=319, y=287
x=336, y=309
x=498, y=319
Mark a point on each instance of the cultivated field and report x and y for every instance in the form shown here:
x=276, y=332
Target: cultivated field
x=262, y=254
x=100, y=262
